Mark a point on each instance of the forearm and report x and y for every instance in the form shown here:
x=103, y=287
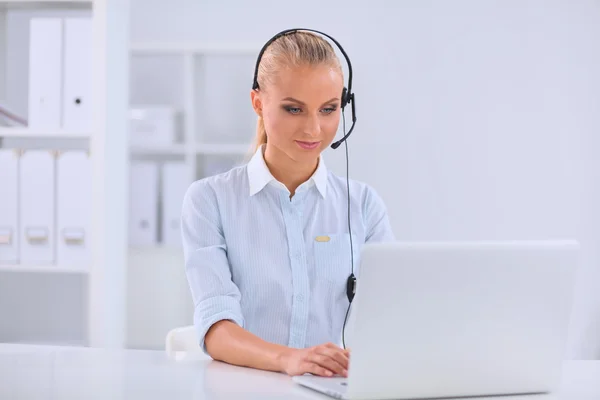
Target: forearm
x=230, y=343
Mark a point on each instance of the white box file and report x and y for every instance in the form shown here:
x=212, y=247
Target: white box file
x=175, y=181
x=143, y=203
x=45, y=72
x=73, y=205
x=36, y=194
x=9, y=203
x=152, y=125
x=77, y=94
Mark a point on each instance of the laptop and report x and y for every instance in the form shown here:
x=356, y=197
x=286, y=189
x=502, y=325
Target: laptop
x=457, y=319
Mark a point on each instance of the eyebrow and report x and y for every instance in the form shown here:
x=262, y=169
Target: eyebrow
x=303, y=103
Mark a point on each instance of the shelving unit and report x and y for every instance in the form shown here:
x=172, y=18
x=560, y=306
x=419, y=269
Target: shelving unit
x=209, y=91
x=57, y=302
x=186, y=78
x=209, y=83
x=185, y=62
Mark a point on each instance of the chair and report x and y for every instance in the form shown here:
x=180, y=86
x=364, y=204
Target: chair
x=182, y=343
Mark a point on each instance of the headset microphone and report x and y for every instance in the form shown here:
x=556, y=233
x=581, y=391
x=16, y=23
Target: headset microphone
x=346, y=98
x=337, y=144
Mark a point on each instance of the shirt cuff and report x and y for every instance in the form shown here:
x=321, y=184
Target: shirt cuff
x=213, y=310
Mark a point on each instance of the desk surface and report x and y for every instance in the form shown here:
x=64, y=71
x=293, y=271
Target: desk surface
x=40, y=372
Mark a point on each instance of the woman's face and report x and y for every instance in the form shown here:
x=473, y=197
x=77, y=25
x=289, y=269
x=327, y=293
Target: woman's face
x=301, y=110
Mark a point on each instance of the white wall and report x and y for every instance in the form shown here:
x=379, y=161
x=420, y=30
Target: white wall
x=473, y=103
x=476, y=119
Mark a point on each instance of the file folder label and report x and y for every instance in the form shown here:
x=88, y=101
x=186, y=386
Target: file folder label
x=5, y=236
x=36, y=235
x=73, y=236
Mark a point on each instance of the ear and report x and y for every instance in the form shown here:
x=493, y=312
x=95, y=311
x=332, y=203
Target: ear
x=256, y=101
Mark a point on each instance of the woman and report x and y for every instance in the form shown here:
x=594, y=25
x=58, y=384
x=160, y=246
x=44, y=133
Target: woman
x=266, y=244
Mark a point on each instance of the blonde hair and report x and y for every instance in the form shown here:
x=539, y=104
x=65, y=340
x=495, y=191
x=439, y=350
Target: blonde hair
x=291, y=50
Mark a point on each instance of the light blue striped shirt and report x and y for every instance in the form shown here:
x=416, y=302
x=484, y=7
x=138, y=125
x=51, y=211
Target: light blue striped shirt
x=251, y=254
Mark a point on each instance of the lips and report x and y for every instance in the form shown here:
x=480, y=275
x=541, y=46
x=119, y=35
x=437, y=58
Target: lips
x=308, y=145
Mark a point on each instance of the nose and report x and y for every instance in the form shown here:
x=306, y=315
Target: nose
x=313, y=126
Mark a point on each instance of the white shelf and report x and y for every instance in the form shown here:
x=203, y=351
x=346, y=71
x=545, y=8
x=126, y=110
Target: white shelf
x=194, y=48
x=49, y=268
x=45, y=4
x=224, y=149
x=8, y=132
x=182, y=149
x=172, y=149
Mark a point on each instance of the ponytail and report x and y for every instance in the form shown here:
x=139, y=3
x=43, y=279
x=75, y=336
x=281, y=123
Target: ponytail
x=261, y=134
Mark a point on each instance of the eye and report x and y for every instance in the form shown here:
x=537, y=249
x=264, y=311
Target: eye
x=329, y=110
x=292, y=110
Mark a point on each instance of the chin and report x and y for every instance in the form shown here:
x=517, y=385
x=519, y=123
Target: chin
x=304, y=156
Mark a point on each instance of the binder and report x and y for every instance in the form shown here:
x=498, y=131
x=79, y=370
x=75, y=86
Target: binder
x=143, y=203
x=77, y=95
x=36, y=216
x=45, y=69
x=9, y=201
x=152, y=125
x=175, y=182
x=73, y=206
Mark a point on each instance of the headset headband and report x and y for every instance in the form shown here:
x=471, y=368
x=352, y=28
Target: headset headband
x=288, y=31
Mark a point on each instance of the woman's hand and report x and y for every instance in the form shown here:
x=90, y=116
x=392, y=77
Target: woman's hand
x=322, y=360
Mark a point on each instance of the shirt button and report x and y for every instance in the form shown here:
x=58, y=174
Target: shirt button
x=300, y=297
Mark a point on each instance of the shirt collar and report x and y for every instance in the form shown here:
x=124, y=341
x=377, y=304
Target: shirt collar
x=259, y=175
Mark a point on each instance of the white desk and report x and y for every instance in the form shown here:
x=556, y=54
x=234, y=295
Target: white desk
x=57, y=373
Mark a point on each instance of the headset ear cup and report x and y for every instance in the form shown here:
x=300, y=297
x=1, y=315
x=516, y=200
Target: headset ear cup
x=344, y=97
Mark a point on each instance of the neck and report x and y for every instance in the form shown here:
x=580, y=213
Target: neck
x=287, y=171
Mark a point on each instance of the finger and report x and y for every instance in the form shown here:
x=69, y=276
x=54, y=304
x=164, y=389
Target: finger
x=340, y=355
x=337, y=348
x=328, y=363
x=336, y=354
x=315, y=369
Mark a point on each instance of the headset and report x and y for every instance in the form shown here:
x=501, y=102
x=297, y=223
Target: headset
x=347, y=97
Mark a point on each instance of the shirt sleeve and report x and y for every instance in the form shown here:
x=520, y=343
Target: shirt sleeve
x=377, y=223
x=216, y=297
